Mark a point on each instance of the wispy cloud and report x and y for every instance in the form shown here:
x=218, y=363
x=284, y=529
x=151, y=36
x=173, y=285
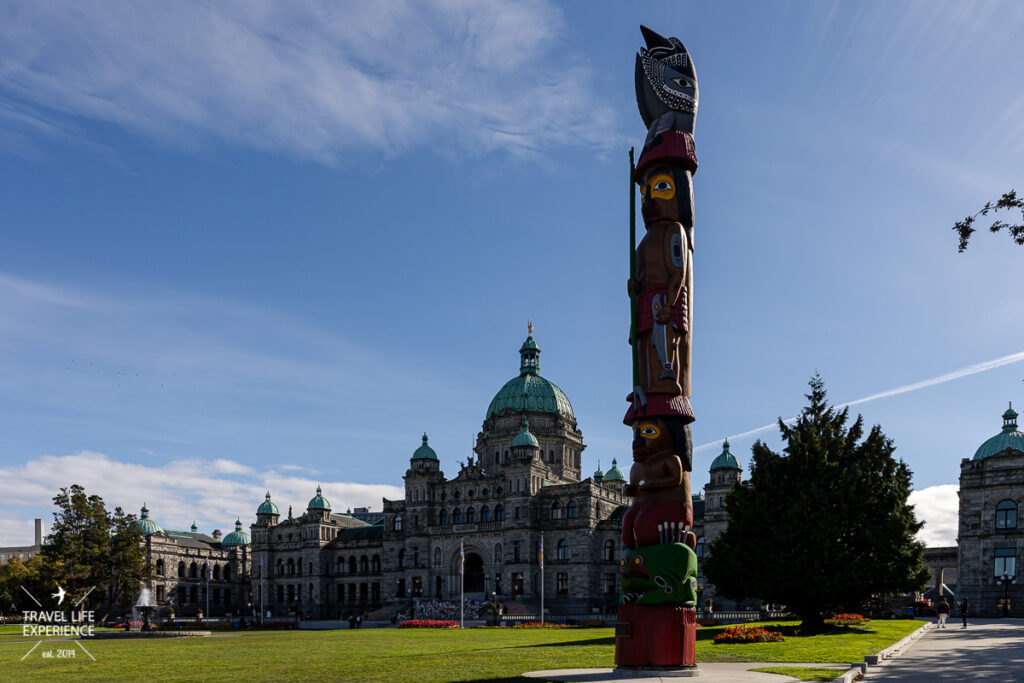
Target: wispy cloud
x=309, y=80
x=906, y=388
x=177, y=492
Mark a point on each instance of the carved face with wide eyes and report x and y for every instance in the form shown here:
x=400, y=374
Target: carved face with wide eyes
x=658, y=196
x=651, y=436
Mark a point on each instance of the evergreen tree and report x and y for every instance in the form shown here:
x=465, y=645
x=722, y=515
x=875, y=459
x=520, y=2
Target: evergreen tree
x=824, y=525
x=18, y=576
x=91, y=548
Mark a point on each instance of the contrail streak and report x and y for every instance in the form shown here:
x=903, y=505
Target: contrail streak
x=941, y=379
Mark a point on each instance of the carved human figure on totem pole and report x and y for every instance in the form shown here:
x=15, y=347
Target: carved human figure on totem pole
x=662, y=289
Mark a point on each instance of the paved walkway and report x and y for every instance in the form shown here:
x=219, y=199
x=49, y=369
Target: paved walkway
x=988, y=650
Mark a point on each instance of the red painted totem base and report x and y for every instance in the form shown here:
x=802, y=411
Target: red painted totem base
x=656, y=635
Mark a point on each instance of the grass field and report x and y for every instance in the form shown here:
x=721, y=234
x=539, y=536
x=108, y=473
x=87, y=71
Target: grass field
x=395, y=655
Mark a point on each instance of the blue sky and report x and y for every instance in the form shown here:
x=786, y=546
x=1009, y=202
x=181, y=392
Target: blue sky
x=267, y=245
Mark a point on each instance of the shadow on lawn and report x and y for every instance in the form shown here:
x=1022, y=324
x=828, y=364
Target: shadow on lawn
x=573, y=643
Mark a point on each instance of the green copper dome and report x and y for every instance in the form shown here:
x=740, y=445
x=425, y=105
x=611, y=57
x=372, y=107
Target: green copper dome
x=725, y=460
x=267, y=507
x=424, y=451
x=146, y=525
x=614, y=474
x=524, y=437
x=529, y=392
x=318, y=502
x=1010, y=438
x=598, y=475
x=236, y=537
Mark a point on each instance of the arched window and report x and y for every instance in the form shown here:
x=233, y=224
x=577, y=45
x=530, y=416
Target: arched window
x=485, y=514
x=700, y=548
x=499, y=513
x=470, y=515
x=227, y=572
x=291, y=567
x=571, y=510
x=443, y=519
x=457, y=516
x=556, y=510
x=401, y=557
x=551, y=456
x=609, y=551
x=497, y=553
x=375, y=563
x=193, y=571
x=280, y=567
x=1006, y=515
x=364, y=564
x=216, y=572
x=437, y=557
x=398, y=523
x=160, y=567
x=181, y=570
x=563, y=549
x=352, y=565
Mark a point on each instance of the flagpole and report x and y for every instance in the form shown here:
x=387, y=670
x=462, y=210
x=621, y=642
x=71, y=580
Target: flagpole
x=462, y=585
x=542, y=579
x=263, y=585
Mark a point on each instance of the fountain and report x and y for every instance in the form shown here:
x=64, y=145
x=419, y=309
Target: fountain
x=143, y=608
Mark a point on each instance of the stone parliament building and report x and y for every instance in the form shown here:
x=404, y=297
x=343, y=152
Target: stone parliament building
x=524, y=484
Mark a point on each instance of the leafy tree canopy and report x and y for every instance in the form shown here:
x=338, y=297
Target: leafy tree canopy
x=1010, y=200
x=824, y=525
x=90, y=547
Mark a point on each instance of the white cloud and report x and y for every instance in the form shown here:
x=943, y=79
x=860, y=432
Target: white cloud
x=938, y=507
x=177, y=492
x=309, y=80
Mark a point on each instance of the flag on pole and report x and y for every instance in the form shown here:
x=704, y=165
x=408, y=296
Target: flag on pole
x=263, y=579
x=540, y=556
x=462, y=559
x=206, y=571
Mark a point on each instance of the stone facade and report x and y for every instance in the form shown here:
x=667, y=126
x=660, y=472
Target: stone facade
x=182, y=561
x=991, y=537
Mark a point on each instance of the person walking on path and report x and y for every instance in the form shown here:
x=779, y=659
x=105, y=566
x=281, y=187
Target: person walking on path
x=963, y=610
x=942, y=613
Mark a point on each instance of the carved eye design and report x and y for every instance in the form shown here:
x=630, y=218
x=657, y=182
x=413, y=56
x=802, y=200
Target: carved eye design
x=662, y=186
x=638, y=560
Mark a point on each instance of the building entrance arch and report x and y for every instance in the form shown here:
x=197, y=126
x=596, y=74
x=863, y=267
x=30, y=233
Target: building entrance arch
x=474, y=579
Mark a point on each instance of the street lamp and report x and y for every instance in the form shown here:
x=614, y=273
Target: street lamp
x=1007, y=579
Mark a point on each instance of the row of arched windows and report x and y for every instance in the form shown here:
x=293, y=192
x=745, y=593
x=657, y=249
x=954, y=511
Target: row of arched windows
x=363, y=565
x=470, y=515
x=194, y=571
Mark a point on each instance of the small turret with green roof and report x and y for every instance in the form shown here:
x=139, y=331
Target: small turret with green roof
x=195, y=529
x=614, y=474
x=318, y=502
x=598, y=475
x=1009, y=438
x=524, y=438
x=236, y=537
x=147, y=526
x=725, y=460
x=424, y=452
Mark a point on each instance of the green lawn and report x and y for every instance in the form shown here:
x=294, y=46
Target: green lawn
x=395, y=655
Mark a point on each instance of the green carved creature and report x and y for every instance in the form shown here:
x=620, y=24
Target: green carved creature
x=662, y=574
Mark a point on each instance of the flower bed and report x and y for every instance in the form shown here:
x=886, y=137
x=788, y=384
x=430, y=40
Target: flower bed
x=546, y=624
x=428, y=623
x=748, y=634
x=847, y=620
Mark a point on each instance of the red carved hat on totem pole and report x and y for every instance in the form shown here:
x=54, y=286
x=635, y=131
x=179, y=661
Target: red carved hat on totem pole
x=659, y=405
x=668, y=147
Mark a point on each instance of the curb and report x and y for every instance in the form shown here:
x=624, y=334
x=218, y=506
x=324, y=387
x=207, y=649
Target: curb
x=894, y=650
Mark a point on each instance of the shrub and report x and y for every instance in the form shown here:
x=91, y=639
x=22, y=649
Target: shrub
x=546, y=624
x=748, y=634
x=428, y=623
x=847, y=620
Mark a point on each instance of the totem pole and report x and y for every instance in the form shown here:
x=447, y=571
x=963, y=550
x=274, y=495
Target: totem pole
x=656, y=623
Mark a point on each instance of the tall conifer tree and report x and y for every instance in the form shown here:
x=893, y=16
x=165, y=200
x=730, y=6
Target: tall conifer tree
x=824, y=525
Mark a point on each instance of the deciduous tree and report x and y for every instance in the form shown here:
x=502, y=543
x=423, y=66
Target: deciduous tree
x=1010, y=200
